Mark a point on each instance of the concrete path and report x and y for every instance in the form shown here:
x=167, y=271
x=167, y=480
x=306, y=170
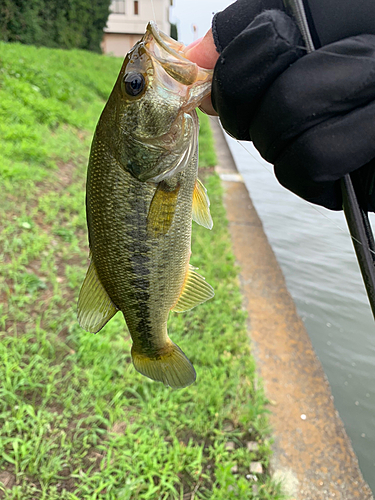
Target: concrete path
x=313, y=455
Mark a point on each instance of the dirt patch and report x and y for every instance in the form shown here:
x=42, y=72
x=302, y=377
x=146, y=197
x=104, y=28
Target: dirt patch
x=61, y=178
x=205, y=172
x=8, y=480
x=65, y=173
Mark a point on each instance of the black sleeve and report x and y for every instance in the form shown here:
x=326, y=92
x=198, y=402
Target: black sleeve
x=329, y=20
x=332, y=20
x=229, y=23
x=311, y=115
x=249, y=64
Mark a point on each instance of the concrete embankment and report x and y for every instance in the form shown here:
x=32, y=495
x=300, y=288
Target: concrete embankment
x=313, y=456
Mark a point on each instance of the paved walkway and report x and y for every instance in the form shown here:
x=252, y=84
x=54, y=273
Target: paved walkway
x=312, y=452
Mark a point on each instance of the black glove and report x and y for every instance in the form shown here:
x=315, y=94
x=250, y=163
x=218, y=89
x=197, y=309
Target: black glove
x=312, y=116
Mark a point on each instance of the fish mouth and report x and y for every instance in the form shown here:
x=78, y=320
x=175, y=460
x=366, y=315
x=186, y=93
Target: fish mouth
x=186, y=79
x=196, y=81
x=173, y=47
x=170, y=55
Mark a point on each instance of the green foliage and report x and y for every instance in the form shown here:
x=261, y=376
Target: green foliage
x=66, y=24
x=207, y=154
x=49, y=102
x=173, y=31
x=76, y=420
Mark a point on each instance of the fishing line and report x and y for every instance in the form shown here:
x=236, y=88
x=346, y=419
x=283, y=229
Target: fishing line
x=153, y=9
x=334, y=223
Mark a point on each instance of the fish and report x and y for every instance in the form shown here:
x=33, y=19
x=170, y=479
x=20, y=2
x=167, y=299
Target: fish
x=142, y=194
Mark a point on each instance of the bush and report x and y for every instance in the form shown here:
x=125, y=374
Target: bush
x=54, y=23
x=174, y=32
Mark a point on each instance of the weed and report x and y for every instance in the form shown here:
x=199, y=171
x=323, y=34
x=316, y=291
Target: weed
x=77, y=421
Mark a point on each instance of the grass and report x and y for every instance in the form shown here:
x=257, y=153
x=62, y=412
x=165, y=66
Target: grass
x=76, y=420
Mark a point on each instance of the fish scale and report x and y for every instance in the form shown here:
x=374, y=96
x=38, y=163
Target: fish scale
x=128, y=281
x=141, y=196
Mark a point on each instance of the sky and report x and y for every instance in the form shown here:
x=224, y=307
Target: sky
x=198, y=13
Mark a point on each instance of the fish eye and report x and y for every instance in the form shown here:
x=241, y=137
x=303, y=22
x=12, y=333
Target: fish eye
x=134, y=83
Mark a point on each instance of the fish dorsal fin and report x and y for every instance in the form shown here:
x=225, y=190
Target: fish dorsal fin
x=195, y=291
x=201, y=206
x=95, y=308
x=162, y=208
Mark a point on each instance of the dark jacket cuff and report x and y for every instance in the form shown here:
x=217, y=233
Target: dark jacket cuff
x=229, y=23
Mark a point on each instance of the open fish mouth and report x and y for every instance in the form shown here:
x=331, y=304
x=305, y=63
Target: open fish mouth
x=173, y=47
x=177, y=83
x=169, y=53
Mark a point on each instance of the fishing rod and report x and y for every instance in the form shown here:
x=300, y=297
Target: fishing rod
x=357, y=218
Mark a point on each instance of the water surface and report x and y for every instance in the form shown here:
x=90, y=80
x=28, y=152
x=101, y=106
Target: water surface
x=315, y=252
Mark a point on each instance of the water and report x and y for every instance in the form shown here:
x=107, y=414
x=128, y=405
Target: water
x=316, y=254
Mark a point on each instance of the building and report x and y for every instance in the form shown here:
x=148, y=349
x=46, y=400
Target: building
x=128, y=20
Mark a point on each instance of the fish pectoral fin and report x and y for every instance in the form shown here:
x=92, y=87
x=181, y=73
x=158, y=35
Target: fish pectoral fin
x=201, y=206
x=195, y=291
x=169, y=366
x=162, y=209
x=95, y=308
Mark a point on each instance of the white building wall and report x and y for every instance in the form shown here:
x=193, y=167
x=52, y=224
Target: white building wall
x=124, y=29
x=135, y=23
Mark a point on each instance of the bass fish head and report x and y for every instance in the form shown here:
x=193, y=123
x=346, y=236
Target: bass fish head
x=149, y=118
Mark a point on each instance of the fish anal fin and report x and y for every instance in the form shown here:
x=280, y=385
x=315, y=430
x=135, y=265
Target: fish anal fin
x=169, y=366
x=162, y=209
x=201, y=206
x=195, y=291
x=95, y=308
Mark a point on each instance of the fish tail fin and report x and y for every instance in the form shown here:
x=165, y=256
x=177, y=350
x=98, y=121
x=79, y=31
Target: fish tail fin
x=169, y=365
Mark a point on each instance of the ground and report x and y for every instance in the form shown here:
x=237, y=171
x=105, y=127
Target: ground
x=77, y=421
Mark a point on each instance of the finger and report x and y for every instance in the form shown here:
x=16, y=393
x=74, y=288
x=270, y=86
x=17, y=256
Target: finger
x=203, y=53
x=207, y=107
x=192, y=44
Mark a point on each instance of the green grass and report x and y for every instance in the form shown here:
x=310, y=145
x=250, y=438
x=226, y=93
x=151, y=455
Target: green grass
x=76, y=420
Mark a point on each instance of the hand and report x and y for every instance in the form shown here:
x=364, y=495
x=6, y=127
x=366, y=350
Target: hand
x=316, y=122
x=203, y=52
x=310, y=115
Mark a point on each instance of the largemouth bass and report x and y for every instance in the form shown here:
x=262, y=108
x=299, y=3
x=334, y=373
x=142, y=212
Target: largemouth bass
x=142, y=194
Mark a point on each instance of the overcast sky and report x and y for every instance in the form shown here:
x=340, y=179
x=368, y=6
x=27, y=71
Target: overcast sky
x=187, y=13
